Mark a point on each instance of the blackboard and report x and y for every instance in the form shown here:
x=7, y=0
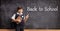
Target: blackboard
x=43, y=13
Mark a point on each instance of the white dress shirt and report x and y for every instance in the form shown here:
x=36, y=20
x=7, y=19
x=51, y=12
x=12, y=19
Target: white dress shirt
x=13, y=17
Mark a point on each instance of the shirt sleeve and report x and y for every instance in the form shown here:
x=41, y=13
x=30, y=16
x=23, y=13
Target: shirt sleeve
x=13, y=17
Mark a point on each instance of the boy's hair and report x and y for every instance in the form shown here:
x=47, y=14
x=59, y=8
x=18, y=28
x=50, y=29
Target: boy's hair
x=19, y=8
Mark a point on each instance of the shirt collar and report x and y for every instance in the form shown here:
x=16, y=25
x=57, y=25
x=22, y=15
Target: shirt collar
x=19, y=14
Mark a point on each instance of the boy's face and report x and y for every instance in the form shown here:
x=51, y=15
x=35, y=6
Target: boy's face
x=20, y=10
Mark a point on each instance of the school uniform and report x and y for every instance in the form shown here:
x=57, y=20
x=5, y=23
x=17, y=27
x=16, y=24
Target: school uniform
x=20, y=26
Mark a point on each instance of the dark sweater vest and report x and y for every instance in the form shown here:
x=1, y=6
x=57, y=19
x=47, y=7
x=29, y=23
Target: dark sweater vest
x=21, y=24
x=22, y=16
